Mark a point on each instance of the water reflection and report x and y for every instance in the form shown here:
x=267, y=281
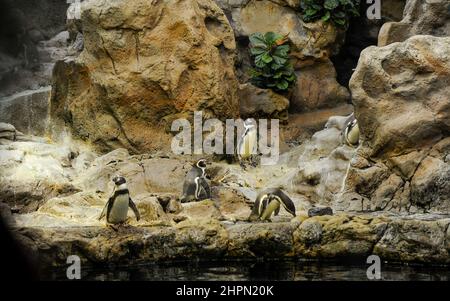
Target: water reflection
x=268, y=270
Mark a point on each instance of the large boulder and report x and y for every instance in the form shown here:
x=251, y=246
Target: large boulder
x=144, y=64
x=400, y=93
x=256, y=102
x=419, y=18
x=317, y=88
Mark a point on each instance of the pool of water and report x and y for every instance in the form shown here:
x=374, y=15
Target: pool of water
x=257, y=271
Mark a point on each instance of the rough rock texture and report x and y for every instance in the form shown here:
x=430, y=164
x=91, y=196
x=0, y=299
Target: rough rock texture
x=23, y=59
x=400, y=93
x=145, y=64
x=311, y=46
x=31, y=172
x=28, y=111
x=317, y=88
x=316, y=40
x=419, y=18
x=262, y=103
x=322, y=164
x=341, y=236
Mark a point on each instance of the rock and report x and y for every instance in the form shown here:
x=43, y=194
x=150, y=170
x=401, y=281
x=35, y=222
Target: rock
x=419, y=18
x=414, y=240
x=183, y=58
x=269, y=240
x=203, y=210
x=316, y=40
x=28, y=111
x=34, y=172
x=320, y=211
x=341, y=236
x=233, y=205
x=262, y=103
x=323, y=164
x=430, y=184
x=338, y=236
x=317, y=88
x=401, y=104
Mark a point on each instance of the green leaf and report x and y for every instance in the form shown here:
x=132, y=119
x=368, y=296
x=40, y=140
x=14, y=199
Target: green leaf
x=266, y=58
x=331, y=4
x=326, y=17
x=282, y=85
x=279, y=60
x=271, y=37
x=257, y=50
x=257, y=40
x=339, y=21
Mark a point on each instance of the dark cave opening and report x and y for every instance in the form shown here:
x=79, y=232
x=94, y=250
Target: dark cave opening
x=363, y=33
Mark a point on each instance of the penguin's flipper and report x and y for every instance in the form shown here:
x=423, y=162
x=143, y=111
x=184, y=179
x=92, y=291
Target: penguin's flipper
x=204, y=191
x=286, y=202
x=105, y=209
x=134, y=208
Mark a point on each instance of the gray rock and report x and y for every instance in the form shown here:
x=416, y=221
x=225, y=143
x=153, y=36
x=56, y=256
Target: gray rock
x=320, y=211
x=28, y=111
x=263, y=103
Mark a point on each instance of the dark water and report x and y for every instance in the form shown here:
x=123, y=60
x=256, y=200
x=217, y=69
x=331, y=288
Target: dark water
x=273, y=270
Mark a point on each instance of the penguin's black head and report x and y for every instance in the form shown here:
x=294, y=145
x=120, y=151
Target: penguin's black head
x=118, y=180
x=201, y=163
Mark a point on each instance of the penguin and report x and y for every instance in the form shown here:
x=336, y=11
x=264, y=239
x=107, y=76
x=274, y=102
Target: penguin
x=196, y=187
x=268, y=202
x=116, y=209
x=248, y=143
x=351, y=131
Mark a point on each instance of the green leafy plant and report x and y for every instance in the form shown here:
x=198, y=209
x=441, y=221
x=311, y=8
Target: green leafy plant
x=273, y=68
x=337, y=11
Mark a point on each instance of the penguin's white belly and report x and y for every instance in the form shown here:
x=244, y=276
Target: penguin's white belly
x=353, y=135
x=248, y=146
x=119, y=210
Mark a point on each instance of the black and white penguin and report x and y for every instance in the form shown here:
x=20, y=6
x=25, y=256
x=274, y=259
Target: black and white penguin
x=116, y=209
x=247, y=144
x=196, y=187
x=350, y=133
x=268, y=202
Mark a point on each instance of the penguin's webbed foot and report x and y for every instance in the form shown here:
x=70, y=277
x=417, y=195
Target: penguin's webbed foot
x=242, y=164
x=114, y=227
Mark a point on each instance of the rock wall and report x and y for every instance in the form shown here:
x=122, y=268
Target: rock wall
x=401, y=98
x=420, y=17
x=145, y=64
x=312, y=45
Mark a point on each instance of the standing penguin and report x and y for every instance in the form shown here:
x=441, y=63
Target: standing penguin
x=196, y=187
x=116, y=209
x=350, y=131
x=269, y=201
x=248, y=143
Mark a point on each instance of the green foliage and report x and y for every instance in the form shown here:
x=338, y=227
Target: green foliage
x=273, y=68
x=337, y=11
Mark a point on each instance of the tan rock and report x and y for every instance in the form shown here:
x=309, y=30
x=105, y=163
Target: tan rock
x=414, y=240
x=430, y=185
x=335, y=236
x=403, y=110
x=145, y=64
x=204, y=210
x=317, y=88
x=263, y=103
x=419, y=18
